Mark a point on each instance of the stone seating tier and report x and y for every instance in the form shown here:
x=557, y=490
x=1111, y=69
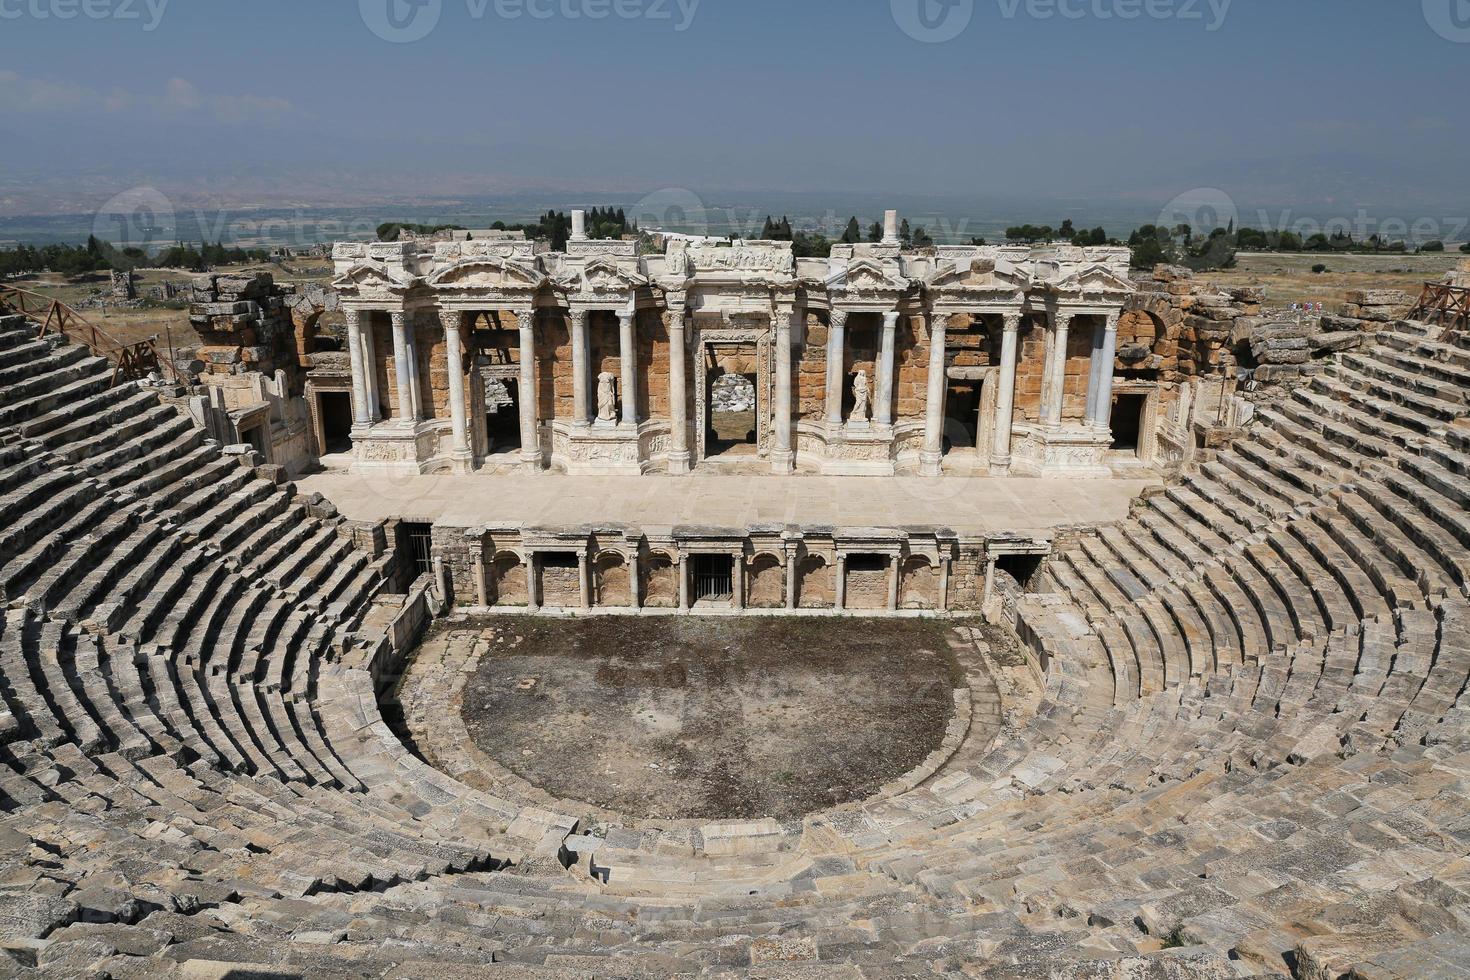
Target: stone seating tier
x=1249, y=755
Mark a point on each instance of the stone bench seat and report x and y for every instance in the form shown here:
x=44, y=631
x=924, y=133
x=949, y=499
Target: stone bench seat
x=77, y=558
x=123, y=732
x=142, y=546
x=1334, y=608
x=124, y=676
x=190, y=572
x=1199, y=648
x=97, y=439
x=22, y=347
x=265, y=549
x=55, y=365
x=229, y=511
x=1412, y=378
x=1393, y=404
x=1436, y=369
x=69, y=385
x=1334, y=408
x=1394, y=545
x=1247, y=507
x=84, y=418
x=164, y=445
x=1445, y=548
x=1364, y=596
x=28, y=498
x=1397, y=588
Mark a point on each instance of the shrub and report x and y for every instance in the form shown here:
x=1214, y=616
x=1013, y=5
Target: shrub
x=1319, y=268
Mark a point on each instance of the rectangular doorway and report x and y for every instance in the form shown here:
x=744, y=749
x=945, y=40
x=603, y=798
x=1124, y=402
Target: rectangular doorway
x=714, y=578
x=502, y=414
x=962, y=414
x=1127, y=422
x=335, y=408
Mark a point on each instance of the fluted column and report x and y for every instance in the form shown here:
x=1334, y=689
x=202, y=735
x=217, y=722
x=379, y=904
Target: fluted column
x=453, y=321
x=628, y=360
x=791, y=567
x=1102, y=409
x=370, y=368
x=402, y=369
x=530, y=425
x=836, y=361
x=883, y=414
x=781, y=455
x=678, y=396
x=580, y=412
x=931, y=459
x=1054, y=390
x=1005, y=400
x=361, y=415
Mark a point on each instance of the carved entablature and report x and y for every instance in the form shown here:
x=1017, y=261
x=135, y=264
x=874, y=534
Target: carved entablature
x=767, y=257
x=601, y=282
x=867, y=283
x=1094, y=285
x=978, y=283
x=451, y=253
x=374, y=281
x=496, y=279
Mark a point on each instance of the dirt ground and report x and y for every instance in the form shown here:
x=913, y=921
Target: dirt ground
x=712, y=718
x=1288, y=278
x=167, y=322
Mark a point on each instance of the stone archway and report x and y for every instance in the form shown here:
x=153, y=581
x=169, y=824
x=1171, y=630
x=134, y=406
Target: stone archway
x=765, y=582
x=918, y=583
x=660, y=581
x=816, y=583
x=506, y=577
x=610, y=582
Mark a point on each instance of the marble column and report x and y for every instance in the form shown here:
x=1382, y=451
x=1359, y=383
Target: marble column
x=791, y=580
x=530, y=417
x=533, y=581
x=584, y=579
x=989, y=586
x=482, y=581
x=683, y=584
x=1005, y=397
x=678, y=395
x=782, y=457
x=840, y=589
x=931, y=458
x=895, y=568
x=628, y=361
x=370, y=368
x=453, y=321
x=1102, y=390
x=635, y=583
x=580, y=413
x=944, y=562
x=737, y=580
x=883, y=410
x=836, y=362
x=415, y=371
x=361, y=415
x=1054, y=391
x=402, y=368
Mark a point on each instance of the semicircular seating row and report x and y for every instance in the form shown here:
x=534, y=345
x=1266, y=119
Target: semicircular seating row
x=1250, y=757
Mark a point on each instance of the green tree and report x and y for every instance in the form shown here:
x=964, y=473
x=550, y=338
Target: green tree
x=853, y=233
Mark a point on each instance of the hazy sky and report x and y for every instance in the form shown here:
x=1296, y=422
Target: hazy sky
x=1344, y=102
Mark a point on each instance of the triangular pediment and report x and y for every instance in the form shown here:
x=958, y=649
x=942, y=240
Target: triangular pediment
x=1095, y=279
x=866, y=276
x=604, y=275
x=489, y=272
x=372, y=276
x=981, y=274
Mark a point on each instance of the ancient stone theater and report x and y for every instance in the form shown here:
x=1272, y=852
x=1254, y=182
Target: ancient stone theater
x=683, y=607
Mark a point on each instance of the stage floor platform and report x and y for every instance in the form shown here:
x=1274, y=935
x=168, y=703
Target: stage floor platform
x=967, y=505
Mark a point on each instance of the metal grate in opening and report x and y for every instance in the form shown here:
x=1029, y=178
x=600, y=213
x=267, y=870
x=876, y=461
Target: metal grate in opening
x=713, y=577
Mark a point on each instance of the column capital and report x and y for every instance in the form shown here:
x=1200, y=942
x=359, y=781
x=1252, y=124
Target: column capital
x=451, y=319
x=890, y=319
x=525, y=319
x=1012, y=321
x=1112, y=323
x=399, y=318
x=837, y=318
x=353, y=318
x=578, y=315
x=781, y=319
x=1062, y=319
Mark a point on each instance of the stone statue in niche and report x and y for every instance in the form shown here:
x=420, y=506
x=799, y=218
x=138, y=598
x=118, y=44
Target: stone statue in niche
x=860, y=397
x=607, y=399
